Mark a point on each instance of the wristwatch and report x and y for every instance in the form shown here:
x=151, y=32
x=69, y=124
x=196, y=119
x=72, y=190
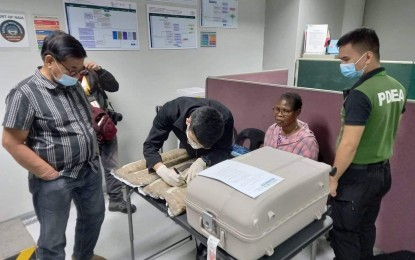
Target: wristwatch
x=333, y=171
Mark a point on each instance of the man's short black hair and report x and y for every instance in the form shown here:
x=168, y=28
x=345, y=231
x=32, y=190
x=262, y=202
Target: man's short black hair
x=363, y=40
x=62, y=46
x=207, y=125
x=294, y=99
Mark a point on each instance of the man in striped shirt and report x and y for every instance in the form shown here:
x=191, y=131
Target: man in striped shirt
x=48, y=131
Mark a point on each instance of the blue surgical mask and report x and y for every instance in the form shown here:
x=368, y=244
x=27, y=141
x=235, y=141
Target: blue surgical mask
x=65, y=80
x=349, y=69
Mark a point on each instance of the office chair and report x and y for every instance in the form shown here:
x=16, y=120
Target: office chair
x=254, y=135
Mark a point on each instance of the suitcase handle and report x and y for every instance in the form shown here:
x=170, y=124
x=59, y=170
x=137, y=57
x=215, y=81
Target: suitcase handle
x=206, y=233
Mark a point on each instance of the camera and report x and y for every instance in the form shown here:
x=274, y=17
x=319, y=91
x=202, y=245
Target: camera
x=115, y=117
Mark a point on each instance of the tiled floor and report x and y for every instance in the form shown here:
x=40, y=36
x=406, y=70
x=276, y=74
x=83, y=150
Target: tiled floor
x=152, y=232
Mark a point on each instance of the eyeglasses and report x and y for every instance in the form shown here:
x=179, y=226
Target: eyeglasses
x=284, y=112
x=77, y=72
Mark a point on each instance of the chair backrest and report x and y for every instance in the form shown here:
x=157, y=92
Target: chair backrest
x=255, y=137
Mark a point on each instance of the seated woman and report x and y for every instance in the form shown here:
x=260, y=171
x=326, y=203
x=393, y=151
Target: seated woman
x=288, y=133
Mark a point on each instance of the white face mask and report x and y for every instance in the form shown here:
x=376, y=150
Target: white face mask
x=192, y=143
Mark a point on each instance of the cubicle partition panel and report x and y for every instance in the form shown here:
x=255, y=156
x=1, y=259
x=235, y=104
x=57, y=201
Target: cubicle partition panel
x=251, y=105
x=279, y=76
x=396, y=225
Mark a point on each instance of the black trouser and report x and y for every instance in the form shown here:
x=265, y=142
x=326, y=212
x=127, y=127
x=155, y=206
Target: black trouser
x=109, y=159
x=355, y=209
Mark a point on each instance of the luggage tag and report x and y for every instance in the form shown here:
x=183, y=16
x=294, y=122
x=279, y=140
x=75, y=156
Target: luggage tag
x=212, y=244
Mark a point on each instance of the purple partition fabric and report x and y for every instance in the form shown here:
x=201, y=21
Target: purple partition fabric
x=396, y=225
x=279, y=76
x=251, y=105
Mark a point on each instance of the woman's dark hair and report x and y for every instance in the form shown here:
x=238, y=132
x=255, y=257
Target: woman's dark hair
x=62, y=46
x=294, y=99
x=363, y=40
x=207, y=125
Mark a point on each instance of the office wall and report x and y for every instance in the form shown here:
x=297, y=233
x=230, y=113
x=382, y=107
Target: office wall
x=353, y=15
x=280, y=38
x=281, y=19
x=285, y=23
x=147, y=78
x=394, y=22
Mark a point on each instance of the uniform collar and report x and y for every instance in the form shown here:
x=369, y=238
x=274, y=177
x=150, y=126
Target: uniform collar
x=46, y=82
x=363, y=79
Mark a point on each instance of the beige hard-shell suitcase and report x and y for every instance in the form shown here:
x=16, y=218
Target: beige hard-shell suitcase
x=250, y=228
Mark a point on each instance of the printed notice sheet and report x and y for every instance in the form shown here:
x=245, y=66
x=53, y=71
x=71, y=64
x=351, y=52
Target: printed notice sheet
x=245, y=178
x=219, y=13
x=13, y=30
x=207, y=39
x=103, y=24
x=45, y=26
x=315, y=38
x=171, y=27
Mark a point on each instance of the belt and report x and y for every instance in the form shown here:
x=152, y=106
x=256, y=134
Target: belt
x=354, y=166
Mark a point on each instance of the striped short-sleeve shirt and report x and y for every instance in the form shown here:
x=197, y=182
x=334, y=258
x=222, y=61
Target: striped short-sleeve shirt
x=59, y=122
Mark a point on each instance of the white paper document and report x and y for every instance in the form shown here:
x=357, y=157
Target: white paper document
x=315, y=38
x=247, y=179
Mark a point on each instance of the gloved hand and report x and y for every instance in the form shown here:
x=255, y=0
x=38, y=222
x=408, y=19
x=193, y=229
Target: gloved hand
x=170, y=176
x=194, y=169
